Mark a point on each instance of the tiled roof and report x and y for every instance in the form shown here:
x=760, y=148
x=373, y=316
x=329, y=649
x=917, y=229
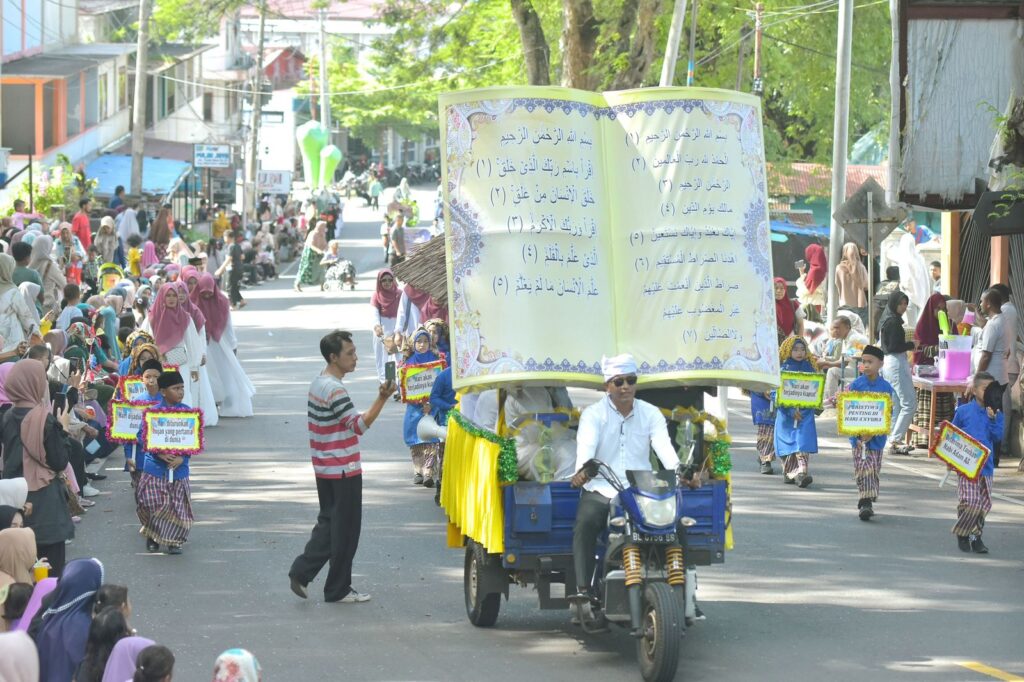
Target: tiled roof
x=797, y=179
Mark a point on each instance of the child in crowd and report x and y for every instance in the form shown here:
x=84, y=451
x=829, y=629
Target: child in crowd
x=867, y=450
x=164, y=495
x=762, y=410
x=134, y=455
x=69, y=306
x=115, y=596
x=154, y=664
x=423, y=454
x=795, y=434
x=984, y=424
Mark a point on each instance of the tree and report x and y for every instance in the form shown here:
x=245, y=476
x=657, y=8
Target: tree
x=179, y=20
x=619, y=44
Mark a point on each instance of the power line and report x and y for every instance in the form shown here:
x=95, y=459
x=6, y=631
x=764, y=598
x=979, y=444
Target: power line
x=825, y=54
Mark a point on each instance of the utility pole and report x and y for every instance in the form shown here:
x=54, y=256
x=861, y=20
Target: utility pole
x=758, y=36
x=252, y=158
x=690, y=65
x=675, y=32
x=742, y=57
x=139, y=102
x=325, y=104
x=840, y=135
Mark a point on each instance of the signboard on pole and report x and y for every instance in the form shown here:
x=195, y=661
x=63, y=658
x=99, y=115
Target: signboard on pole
x=274, y=182
x=211, y=155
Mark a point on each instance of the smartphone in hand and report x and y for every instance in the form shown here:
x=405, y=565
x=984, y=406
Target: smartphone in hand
x=389, y=372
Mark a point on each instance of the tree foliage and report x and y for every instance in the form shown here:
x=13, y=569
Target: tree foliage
x=185, y=21
x=615, y=44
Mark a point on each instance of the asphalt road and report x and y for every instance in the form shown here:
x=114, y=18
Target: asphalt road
x=810, y=592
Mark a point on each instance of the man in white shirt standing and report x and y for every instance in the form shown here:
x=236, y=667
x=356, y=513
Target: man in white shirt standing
x=993, y=348
x=620, y=431
x=1012, y=362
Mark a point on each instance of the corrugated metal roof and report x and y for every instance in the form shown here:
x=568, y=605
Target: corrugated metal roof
x=66, y=62
x=359, y=10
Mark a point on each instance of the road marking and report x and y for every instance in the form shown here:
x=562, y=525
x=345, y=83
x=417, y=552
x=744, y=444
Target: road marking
x=990, y=671
x=934, y=477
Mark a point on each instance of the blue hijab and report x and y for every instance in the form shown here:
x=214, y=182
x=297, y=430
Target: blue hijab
x=421, y=358
x=110, y=331
x=65, y=625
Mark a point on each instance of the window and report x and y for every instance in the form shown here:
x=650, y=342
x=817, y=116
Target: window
x=18, y=106
x=104, y=95
x=92, y=97
x=207, y=106
x=74, y=105
x=49, y=117
x=122, y=87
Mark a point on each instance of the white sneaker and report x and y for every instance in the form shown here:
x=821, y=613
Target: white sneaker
x=89, y=491
x=354, y=597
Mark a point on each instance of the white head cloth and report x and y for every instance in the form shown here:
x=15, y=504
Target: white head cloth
x=617, y=365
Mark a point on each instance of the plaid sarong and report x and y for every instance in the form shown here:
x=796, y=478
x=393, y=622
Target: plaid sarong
x=975, y=501
x=765, y=442
x=945, y=406
x=866, y=465
x=794, y=464
x=165, y=509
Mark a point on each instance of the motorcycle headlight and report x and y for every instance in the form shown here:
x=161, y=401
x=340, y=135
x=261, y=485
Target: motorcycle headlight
x=659, y=513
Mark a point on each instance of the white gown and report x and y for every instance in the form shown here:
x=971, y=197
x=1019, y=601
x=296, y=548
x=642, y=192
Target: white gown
x=231, y=386
x=188, y=355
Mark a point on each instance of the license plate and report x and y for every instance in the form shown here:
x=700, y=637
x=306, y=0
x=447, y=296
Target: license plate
x=655, y=539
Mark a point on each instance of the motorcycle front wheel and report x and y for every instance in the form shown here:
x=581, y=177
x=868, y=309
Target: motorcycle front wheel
x=663, y=625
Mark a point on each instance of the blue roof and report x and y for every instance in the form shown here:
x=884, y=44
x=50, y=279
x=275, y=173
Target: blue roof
x=160, y=177
x=786, y=227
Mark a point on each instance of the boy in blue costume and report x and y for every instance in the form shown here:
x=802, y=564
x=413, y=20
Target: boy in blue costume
x=985, y=425
x=867, y=450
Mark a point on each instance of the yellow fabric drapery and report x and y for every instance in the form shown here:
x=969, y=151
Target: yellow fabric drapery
x=470, y=494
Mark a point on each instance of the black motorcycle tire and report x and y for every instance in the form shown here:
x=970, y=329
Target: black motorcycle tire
x=663, y=624
x=482, y=609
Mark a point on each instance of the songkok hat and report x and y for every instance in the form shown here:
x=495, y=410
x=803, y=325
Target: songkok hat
x=168, y=379
x=618, y=365
x=874, y=351
x=154, y=364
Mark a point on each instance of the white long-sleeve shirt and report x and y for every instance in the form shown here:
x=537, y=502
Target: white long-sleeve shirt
x=623, y=443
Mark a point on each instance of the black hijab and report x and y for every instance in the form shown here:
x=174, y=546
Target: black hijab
x=895, y=299
x=7, y=515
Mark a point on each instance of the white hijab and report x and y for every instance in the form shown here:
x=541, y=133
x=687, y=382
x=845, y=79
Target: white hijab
x=13, y=492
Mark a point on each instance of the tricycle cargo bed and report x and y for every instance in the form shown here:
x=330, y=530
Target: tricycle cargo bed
x=539, y=521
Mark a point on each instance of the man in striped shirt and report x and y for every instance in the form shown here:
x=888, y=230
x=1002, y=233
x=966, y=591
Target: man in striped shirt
x=334, y=430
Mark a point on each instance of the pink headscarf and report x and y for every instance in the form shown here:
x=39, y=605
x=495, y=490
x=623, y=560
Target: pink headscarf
x=189, y=272
x=169, y=324
x=149, y=255
x=5, y=369
x=216, y=309
x=26, y=385
x=197, y=315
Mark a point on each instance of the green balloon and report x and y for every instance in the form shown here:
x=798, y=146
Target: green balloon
x=330, y=157
x=311, y=138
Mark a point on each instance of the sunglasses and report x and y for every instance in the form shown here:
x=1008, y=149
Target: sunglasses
x=631, y=380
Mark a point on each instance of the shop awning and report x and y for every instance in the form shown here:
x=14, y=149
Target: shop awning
x=160, y=177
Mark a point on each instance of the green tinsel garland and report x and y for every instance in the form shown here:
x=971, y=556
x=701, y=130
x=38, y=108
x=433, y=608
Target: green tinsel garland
x=508, y=461
x=721, y=460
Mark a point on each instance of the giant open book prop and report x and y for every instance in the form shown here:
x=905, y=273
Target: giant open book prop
x=583, y=224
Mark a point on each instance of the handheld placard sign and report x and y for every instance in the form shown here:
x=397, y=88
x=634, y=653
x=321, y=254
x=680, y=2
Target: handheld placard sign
x=957, y=449
x=132, y=389
x=801, y=389
x=174, y=431
x=863, y=413
x=125, y=420
x=416, y=381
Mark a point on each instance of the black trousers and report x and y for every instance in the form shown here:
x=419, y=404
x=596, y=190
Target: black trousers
x=54, y=553
x=335, y=536
x=233, y=283
x=591, y=521
x=77, y=456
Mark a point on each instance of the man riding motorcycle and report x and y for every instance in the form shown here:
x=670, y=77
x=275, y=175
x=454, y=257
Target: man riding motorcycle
x=620, y=431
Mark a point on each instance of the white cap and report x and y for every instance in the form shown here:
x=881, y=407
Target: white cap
x=617, y=365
